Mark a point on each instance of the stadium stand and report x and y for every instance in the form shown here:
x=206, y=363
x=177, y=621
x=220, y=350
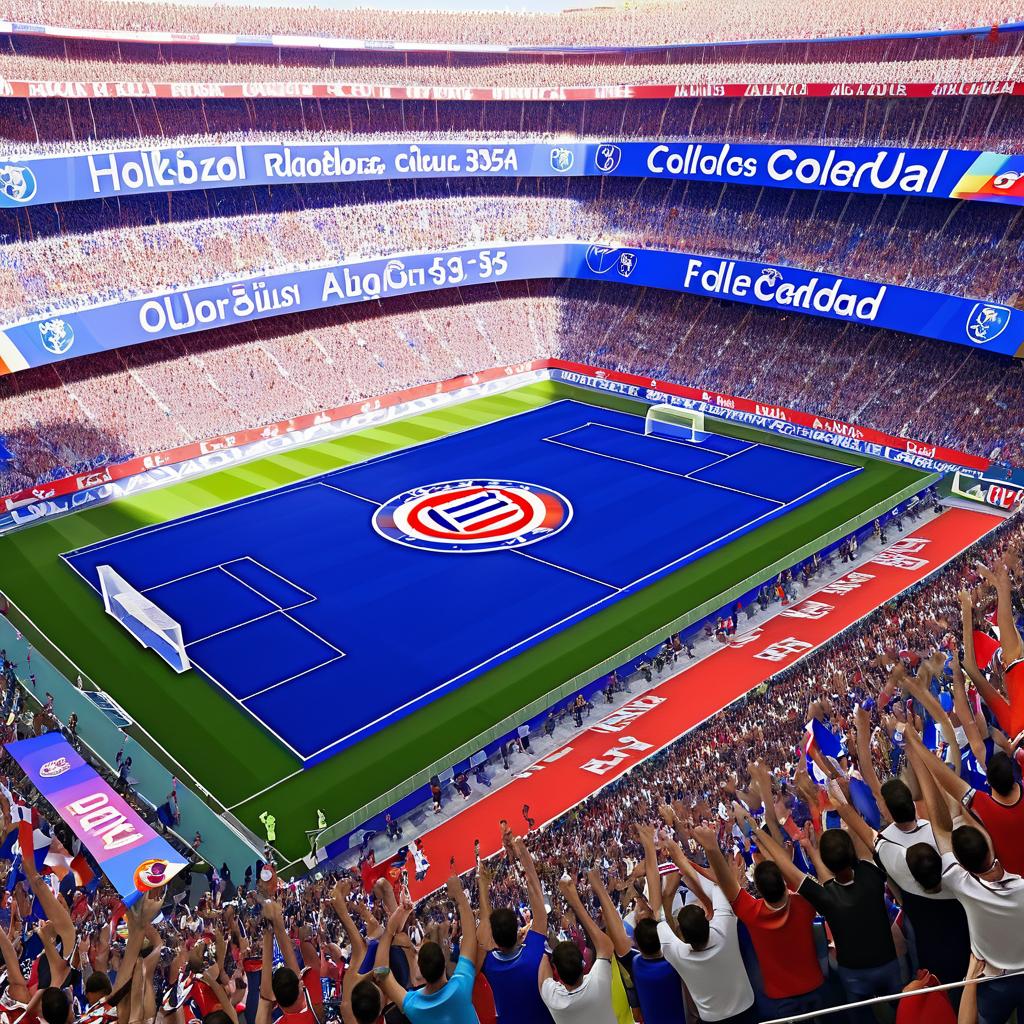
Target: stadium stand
x=734, y=796
x=649, y=24
x=966, y=250
x=48, y=126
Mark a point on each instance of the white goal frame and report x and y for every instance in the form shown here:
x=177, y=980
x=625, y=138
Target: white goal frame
x=686, y=419
x=148, y=623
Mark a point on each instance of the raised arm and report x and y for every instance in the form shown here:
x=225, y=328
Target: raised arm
x=865, y=762
x=139, y=918
x=652, y=873
x=339, y=901
x=612, y=919
x=212, y=979
x=861, y=832
x=926, y=760
x=16, y=984
x=467, y=921
x=772, y=850
x=484, y=937
x=382, y=964
x=56, y=910
x=1009, y=638
x=989, y=694
x=964, y=712
x=919, y=688
x=602, y=944
x=266, y=975
x=727, y=881
x=59, y=967
x=761, y=782
x=273, y=913
x=938, y=811
x=538, y=909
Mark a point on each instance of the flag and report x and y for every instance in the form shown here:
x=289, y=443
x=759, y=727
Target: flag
x=819, y=737
x=391, y=869
x=29, y=839
x=864, y=801
x=33, y=841
x=985, y=648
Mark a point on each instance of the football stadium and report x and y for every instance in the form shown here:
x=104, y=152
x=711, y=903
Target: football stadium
x=511, y=514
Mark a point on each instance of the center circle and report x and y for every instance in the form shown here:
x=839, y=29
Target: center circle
x=469, y=516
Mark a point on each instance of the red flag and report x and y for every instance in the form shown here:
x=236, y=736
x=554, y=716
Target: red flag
x=985, y=648
x=391, y=869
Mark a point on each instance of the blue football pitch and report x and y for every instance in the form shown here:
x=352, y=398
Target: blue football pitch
x=332, y=607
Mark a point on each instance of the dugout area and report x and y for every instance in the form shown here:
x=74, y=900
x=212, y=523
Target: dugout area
x=248, y=771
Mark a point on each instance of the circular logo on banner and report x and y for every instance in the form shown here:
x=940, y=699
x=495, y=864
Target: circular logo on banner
x=151, y=874
x=466, y=516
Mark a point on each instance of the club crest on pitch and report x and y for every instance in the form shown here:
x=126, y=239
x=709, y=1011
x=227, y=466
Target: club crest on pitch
x=469, y=516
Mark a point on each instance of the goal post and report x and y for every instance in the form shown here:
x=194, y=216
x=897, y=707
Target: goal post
x=149, y=624
x=675, y=423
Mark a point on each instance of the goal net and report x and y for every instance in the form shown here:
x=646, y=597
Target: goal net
x=675, y=423
x=150, y=625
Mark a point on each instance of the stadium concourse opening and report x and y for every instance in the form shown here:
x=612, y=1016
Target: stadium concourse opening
x=469, y=548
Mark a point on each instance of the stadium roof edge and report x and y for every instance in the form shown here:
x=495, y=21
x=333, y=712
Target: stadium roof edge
x=331, y=43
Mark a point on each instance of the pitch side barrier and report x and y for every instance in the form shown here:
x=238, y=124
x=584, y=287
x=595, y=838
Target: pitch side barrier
x=389, y=46
x=974, y=323
x=873, y=170
x=101, y=484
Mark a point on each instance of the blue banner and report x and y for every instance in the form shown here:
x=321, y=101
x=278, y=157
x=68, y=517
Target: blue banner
x=132, y=856
x=974, y=323
x=940, y=173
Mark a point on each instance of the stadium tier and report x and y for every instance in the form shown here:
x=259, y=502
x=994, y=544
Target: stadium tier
x=648, y=24
x=563, y=465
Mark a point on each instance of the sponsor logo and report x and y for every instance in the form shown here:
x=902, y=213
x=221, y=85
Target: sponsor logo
x=17, y=183
x=96, y=479
x=601, y=258
x=624, y=750
x=58, y=766
x=783, y=649
x=469, y=516
x=562, y=159
x=607, y=158
x=626, y=266
x=56, y=335
x=151, y=874
x=1006, y=180
x=986, y=322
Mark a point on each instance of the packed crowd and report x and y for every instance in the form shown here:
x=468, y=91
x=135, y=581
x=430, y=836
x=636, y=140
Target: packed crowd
x=648, y=24
x=46, y=128
x=742, y=874
x=910, y=387
x=86, y=412
x=73, y=416
x=519, y=74
x=57, y=259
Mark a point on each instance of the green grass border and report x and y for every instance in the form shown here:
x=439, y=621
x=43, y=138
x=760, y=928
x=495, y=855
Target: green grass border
x=231, y=756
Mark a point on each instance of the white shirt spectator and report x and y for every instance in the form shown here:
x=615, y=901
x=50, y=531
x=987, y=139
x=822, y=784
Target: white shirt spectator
x=590, y=1003
x=995, y=911
x=891, y=850
x=714, y=975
